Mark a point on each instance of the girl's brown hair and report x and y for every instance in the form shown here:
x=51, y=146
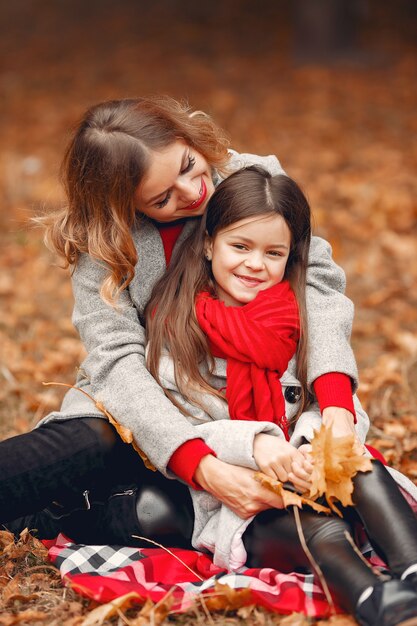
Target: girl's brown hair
x=170, y=315
x=105, y=162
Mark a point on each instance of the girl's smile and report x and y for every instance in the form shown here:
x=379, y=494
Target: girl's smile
x=177, y=184
x=248, y=257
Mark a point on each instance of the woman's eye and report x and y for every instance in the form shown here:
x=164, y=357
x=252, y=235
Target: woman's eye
x=189, y=166
x=162, y=203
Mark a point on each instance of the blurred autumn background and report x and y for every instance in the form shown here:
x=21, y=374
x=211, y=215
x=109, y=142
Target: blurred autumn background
x=329, y=86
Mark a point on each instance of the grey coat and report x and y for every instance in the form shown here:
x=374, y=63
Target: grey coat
x=114, y=370
x=216, y=528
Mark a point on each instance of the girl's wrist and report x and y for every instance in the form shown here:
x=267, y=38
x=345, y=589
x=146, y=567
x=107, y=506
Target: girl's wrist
x=337, y=414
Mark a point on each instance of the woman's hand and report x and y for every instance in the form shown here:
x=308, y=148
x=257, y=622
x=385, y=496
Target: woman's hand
x=280, y=460
x=236, y=487
x=341, y=422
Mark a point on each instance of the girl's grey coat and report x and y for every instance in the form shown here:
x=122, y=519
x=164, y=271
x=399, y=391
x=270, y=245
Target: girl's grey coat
x=114, y=370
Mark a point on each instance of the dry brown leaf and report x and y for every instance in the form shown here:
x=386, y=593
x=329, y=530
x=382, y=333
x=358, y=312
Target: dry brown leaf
x=289, y=497
x=6, y=538
x=12, y=592
x=295, y=619
x=154, y=614
x=105, y=611
x=224, y=598
x=336, y=462
x=29, y=616
x=338, y=620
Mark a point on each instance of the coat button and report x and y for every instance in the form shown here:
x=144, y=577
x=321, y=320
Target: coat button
x=292, y=394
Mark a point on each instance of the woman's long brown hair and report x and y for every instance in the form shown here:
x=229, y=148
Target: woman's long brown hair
x=171, y=322
x=105, y=162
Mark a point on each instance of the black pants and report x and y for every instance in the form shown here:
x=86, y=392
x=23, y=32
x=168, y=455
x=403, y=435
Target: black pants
x=78, y=477
x=272, y=539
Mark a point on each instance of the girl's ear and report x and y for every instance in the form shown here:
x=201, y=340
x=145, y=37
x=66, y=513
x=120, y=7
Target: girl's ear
x=208, y=247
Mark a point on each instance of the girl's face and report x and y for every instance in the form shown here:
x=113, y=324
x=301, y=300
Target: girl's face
x=177, y=184
x=249, y=256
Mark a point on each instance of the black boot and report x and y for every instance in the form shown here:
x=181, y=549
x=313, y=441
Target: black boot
x=410, y=575
x=389, y=603
x=56, y=462
x=388, y=519
x=158, y=509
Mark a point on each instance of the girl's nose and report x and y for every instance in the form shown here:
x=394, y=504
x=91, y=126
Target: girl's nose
x=255, y=261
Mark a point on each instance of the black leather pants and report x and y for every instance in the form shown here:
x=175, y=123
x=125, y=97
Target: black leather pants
x=272, y=539
x=79, y=478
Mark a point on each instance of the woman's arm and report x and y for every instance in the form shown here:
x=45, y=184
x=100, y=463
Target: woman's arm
x=115, y=367
x=237, y=487
x=330, y=317
x=247, y=445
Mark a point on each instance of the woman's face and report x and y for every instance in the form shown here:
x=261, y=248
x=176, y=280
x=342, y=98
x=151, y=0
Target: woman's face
x=177, y=184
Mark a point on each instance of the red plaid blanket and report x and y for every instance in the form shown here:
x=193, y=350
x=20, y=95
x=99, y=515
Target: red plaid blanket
x=104, y=573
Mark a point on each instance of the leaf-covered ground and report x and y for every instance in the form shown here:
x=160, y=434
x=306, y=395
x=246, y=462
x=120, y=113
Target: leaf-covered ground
x=346, y=131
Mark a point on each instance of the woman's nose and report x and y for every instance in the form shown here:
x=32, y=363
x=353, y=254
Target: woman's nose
x=187, y=191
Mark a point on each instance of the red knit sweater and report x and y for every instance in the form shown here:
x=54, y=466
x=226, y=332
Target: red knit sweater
x=333, y=389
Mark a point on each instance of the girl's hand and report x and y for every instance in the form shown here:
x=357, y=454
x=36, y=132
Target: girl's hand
x=302, y=471
x=276, y=457
x=342, y=423
x=236, y=487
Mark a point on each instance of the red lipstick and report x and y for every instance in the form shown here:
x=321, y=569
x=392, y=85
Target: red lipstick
x=200, y=199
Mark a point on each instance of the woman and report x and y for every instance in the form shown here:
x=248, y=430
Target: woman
x=135, y=172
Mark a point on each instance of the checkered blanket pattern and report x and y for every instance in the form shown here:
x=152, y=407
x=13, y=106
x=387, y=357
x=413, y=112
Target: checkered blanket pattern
x=104, y=573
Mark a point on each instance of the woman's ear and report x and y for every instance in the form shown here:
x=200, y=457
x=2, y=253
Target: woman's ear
x=208, y=247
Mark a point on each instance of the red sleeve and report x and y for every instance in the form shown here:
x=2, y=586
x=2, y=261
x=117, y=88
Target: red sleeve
x=334, y=389
x=186, y=459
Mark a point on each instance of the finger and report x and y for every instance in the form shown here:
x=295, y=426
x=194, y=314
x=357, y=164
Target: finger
x=267, y=499
x=308, y=465
x=302, y=486
x=269, y=471
x=281, y=473
x=287, y=464
x=300, y=471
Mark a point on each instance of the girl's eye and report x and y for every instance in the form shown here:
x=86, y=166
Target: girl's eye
x=162, y=203
x=274, y=253
x=239, y=246
x=189, y=166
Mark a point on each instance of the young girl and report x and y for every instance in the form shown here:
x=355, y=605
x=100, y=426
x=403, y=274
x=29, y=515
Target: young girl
x=138, y=173
x=235, y=290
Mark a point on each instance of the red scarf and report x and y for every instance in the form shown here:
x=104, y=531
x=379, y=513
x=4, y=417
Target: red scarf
x=258, y=340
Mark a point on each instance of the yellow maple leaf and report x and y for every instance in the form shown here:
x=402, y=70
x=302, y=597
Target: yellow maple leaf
x=289, y=497
x=336, y=462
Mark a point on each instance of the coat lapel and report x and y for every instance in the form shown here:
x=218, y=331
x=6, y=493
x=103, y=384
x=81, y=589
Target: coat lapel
x=151, y=259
